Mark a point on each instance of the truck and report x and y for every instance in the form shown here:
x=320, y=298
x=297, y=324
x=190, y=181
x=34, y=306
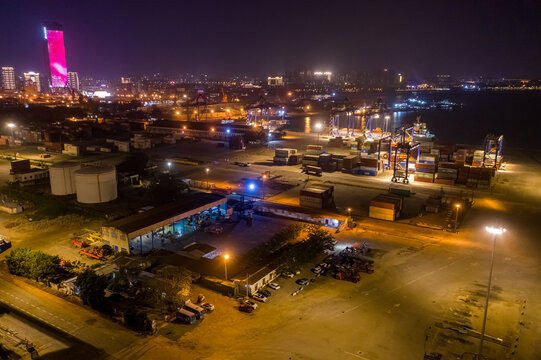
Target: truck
x=197, y=310
x=184, y=316
x=4, y=244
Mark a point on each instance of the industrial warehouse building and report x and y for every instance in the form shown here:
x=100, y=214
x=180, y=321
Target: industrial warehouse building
x=149, y=230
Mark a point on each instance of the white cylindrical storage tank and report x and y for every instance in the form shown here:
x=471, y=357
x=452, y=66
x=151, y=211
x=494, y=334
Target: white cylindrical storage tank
x=62, y=177
x=96, y=184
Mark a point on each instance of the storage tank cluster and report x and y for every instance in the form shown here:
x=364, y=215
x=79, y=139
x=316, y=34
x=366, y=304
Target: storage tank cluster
x=92, y=184
x=62, y=176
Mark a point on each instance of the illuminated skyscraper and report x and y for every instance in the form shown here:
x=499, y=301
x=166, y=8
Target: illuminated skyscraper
x=55, y=55
x=73, y=81
x=8, y=78
x=31, y=82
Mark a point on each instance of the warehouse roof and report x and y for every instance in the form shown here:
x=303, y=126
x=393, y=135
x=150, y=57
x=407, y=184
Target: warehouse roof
x=166, y=212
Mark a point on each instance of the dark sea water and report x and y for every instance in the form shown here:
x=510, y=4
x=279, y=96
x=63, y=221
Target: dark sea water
x=515, y=114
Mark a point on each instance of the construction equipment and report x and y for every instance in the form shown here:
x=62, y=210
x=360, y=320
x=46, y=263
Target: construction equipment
x=97, y=252
x=79, y=243
x=401, y=173
x=492, y=151
x=348, y=276
x=92, y=255
x=93, y=237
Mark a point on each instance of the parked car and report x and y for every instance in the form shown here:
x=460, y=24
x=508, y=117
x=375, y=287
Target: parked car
x=242, y=164
x=288, y=275
x=274, y=286
x=250, y=303
x=265, y=293
x=245, y=308
x=259, y=297
x=207, y=306
x=302, y=281
x=316, y=270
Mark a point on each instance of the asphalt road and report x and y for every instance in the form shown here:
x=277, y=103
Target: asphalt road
x=89, y=335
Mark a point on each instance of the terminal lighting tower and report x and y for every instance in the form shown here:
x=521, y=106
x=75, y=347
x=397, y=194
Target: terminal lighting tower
x=495, y=231
x=55, y=55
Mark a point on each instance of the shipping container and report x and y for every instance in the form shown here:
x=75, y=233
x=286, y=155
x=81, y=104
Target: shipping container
x=381, y=213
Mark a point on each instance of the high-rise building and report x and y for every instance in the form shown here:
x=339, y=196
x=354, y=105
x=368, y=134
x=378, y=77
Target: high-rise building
x=275, y=81
x=8, y=78
x=73, y=80
x=31, y=82
x=55, y=55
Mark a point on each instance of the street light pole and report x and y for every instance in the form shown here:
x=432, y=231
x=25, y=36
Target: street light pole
x=495, y=232
x=226, y=256
x=207, y=170
x=318, y=128
x=456, y=219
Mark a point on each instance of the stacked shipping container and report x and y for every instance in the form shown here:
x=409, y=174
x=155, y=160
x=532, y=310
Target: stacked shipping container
x=385, y=207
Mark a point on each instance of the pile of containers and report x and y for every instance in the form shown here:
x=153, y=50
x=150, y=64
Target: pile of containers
x=369, y=166
x=425, y=172
x=479, y=177
x=463, y=174
x=385, y=207
x=425, y=168
x=295, y=159
x=350, y=162
x=317, y=196
x=336, y=142
x=314, y=149
x=281, y=156
x=310, y=160
x=447, y=173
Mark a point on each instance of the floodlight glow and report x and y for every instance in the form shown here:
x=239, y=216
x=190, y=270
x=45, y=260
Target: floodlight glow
x=495, y=231
x=251, y=186
x=228, y=131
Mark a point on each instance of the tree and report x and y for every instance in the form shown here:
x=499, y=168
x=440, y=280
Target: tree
x=137, y=320
x=295, y=255
x=136, y=162
x=176, y=284
x=92, y=289
x=262, y=253
x=34, y=264
x=166, y=188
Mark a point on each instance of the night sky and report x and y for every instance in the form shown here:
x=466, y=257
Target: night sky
x=421, y=38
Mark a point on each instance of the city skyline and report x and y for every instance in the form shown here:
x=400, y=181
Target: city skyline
x=459, y=39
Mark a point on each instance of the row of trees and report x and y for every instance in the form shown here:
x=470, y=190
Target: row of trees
x=262, y=253
x=36, y=265
x=295, y=255
x=283, y=252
